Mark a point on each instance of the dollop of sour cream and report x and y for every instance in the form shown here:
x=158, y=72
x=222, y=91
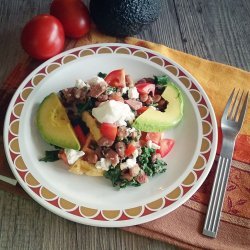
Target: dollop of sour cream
x=73, y=155
x=113, y=111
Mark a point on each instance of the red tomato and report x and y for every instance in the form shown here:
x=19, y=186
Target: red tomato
x=80, y=135
x=130, y=149
x=155, y=137
x=141, y=110
x=166, y=146
x=145, y=88
x=73, y=15
x=116, y=78
x=43, y=37
x=108, y=130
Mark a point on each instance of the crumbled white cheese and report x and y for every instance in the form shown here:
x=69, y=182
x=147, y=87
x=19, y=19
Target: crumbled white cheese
x=135, y=153
x=125, y=90
x=103, y=164
x=81, y=84
x=150, y=144
x=95, y=80
x=133, y=93
x=131, y=130
x=130, y=162
x=73, y=155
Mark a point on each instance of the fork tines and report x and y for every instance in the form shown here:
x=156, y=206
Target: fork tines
x=237, y=105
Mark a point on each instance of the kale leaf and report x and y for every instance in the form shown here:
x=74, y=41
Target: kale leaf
x=50, y=156
x=149, y=167
x=88, y=105
x=114, y=174
x=161, y=80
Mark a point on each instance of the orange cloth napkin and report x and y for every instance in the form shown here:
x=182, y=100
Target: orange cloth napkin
x=183, y=226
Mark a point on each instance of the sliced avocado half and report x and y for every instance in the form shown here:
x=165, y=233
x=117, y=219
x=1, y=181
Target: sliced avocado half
x=156, y=121
x=54, y=125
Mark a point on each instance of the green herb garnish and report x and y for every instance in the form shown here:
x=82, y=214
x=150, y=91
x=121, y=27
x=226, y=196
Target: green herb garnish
x=102, y=75
x=88, y=105
x=50, y=156
x=111, y=90
x=161, y=80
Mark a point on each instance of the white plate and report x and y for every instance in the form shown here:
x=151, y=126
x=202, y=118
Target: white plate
x=93, y=200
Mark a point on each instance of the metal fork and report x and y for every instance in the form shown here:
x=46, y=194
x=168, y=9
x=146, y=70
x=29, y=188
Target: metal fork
x=231, y=123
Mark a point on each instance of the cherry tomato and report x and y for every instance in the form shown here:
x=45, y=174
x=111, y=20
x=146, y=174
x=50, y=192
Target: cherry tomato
x=116, y=78
x=141, y=110
x=108, y=130
x=73, y=15
x=43, y=37
x=145, y=88
x=166, y=146
x=155, y=137
x=80, y=135
x=130, y=149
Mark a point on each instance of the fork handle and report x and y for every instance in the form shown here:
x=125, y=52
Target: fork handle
x=217, y=195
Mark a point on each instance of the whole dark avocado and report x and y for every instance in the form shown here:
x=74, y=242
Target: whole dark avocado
x=124, y=17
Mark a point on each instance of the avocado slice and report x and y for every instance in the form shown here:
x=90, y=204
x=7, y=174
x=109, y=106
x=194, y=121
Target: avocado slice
x=54, y=125
x=156, y=121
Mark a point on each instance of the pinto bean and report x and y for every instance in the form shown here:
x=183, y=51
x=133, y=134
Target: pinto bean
x=156, y=98
x=129, y=81
x=135, y=170
x=154, y=158
x=92, y=158
x=122, y=132
x=143, y=97
x=112, y=156
x=104, y=142
x=97, y=89
x=133, y=104
x=162, y=104
x=149, y=100
x=142, y=177
x=120, y=148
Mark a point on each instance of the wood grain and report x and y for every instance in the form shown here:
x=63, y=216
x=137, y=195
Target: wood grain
x=216, y=30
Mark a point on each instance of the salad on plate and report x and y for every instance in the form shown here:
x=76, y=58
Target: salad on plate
x=112, y=126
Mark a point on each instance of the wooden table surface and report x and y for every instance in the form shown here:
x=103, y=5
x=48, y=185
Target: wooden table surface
x=216, y=30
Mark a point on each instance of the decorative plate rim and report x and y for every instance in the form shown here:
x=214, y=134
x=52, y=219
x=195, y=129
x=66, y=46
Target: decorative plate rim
x=118, y=217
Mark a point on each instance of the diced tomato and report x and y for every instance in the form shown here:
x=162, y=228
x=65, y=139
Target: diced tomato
x=116, y=78
x=130, y=149
x=80, y=135
x=145, y=88
x=141, y=110
x=155, y=137
x=108, y=130
x=63, y=156
x=166, y=146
